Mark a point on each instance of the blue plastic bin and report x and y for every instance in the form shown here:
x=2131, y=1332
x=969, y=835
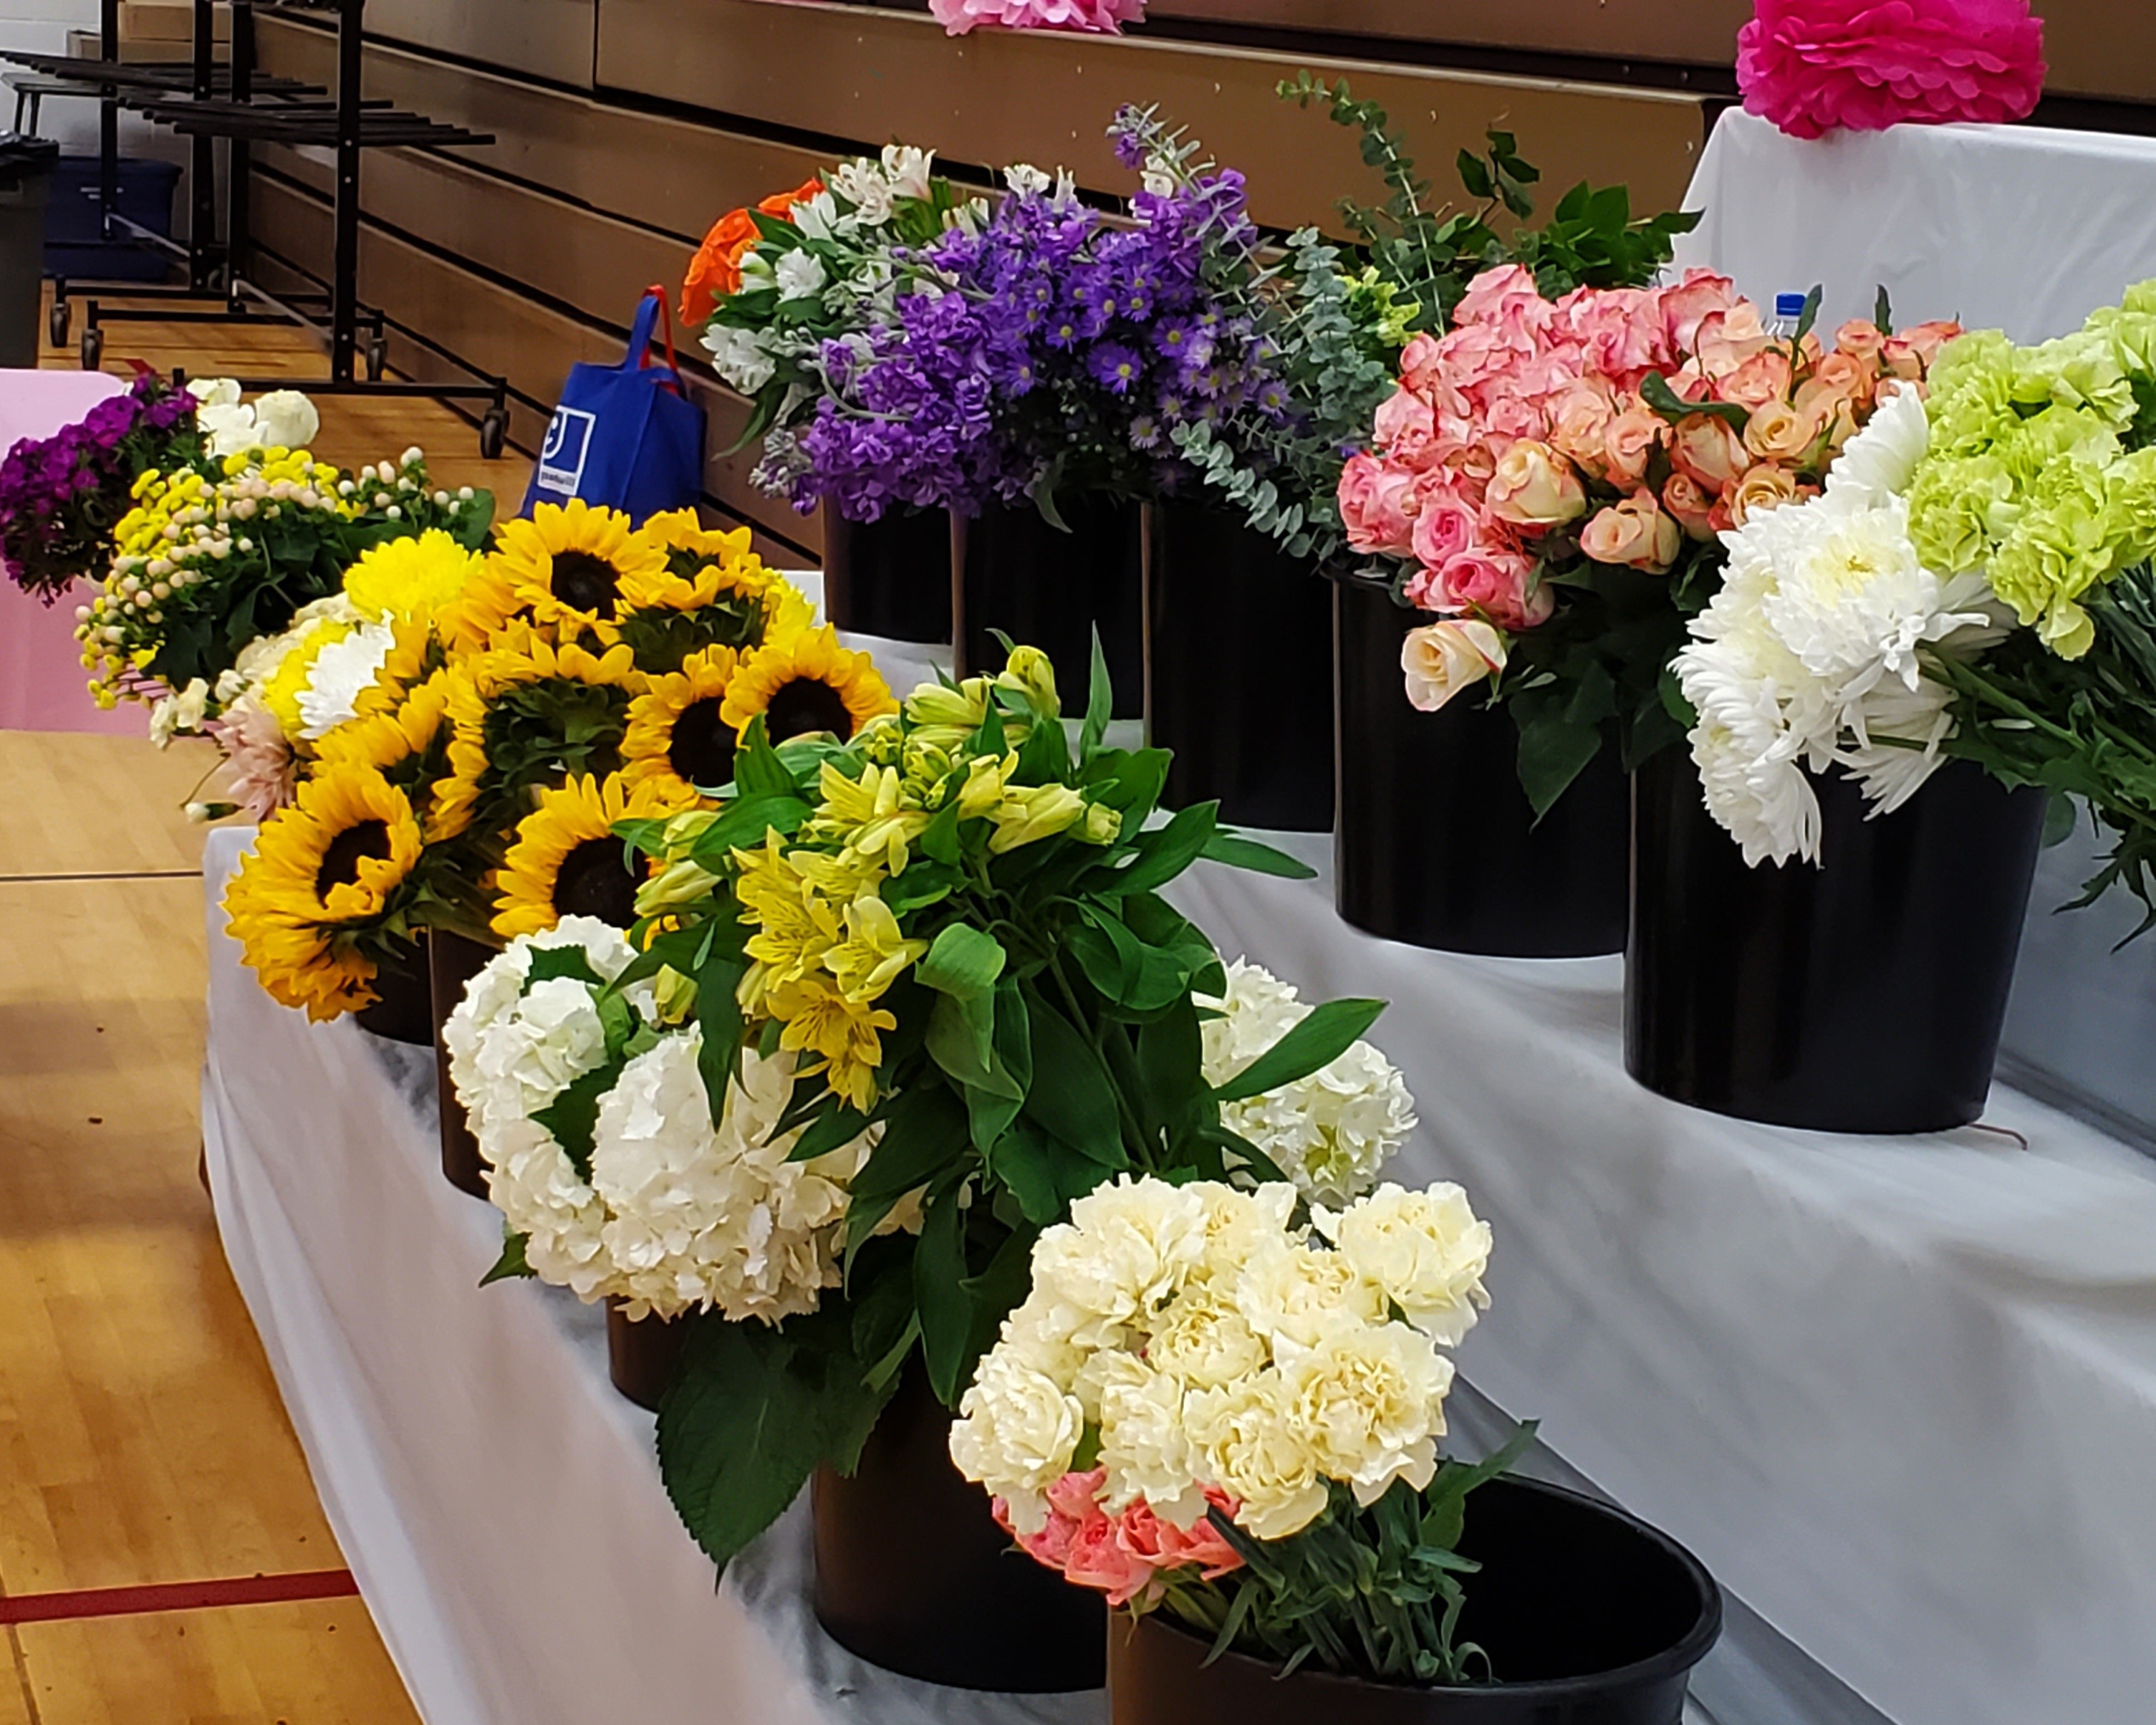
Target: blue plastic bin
x=73, y=245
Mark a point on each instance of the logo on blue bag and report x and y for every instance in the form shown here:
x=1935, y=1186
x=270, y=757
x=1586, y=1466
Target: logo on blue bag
x=568, y=445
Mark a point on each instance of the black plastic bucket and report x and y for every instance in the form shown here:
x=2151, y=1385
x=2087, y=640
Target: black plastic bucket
x=452, y=961
x=890, y=578
x=1047, y=588
x=404, y=1007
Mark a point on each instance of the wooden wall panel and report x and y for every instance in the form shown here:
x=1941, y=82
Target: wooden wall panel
x=548, y=38
x=1685, y=32
x=1000, y=96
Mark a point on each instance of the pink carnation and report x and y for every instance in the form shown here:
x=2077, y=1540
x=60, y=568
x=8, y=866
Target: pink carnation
x=1124, y=1555
x=1811, y=65
x=1105, y=17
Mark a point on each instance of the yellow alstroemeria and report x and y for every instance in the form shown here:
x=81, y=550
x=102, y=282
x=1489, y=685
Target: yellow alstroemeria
x=685, y=881
x=795, y=925
x=1103, y=825
x=844, y=1036
x=986, y=779
x=1028, y=672
x=1032, y=813
x=874, y=954
x=870, y=814
x=961, y=709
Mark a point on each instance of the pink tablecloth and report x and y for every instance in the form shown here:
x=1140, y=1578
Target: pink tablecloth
x=41, y=675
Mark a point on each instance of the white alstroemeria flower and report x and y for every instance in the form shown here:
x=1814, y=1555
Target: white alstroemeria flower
x=862, y=184
x=1026, y=180
x=818, y=218
x=180, y=714
x=739, y=358
x=799, y=274
x=908, y=170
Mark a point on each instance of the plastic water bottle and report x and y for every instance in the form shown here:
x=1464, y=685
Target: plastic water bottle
x=1789, y=312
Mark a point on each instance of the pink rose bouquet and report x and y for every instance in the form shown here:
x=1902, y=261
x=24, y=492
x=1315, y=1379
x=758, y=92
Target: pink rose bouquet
x=1551, y=478
x=1097, y=16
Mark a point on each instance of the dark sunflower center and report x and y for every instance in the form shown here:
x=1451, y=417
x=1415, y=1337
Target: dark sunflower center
x=594, y=881
x=586, y=582
x=702, y=751
x=806, y=705
x=362, y=841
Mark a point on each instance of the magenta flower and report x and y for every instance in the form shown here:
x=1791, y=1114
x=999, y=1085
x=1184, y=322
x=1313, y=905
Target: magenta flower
x=1811, y=65
x=1101, y=17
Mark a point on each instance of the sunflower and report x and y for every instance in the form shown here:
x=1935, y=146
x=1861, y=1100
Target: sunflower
x=409, y=746
x=410, y=578
x=323, y=872
x=567, y=564
x=566, y=861
x=414, y=655
x=807, y=682
x=678, y=738
x=527, y=712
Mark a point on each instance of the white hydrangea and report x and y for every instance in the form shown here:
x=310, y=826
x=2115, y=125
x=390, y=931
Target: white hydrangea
x=704, y=1217
x=514, y=1047
x=1331, y=1132
x=1211, y=1344
x=1811, y=656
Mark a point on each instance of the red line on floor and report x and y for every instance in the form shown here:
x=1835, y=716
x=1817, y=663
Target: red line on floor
x=178, y=1596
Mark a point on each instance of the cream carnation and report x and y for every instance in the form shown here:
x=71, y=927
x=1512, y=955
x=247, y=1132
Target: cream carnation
x=1329, y=1133
x=1127, y=1248
x=1016, y=1432
x=1256, y=1452
x=1369, y=1401
x=1425, y=1252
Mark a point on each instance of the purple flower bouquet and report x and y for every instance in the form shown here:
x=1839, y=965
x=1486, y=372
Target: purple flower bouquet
x=61, y=498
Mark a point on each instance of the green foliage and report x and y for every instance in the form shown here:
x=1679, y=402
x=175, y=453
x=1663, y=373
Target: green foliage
x=1373, y=1593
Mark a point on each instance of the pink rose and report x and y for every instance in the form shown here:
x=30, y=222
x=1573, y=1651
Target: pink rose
x=1761, y=378
x=1811, y=65
x=1709, y=449
x=1419, y=364
x=1634, y=534
x=1405, y=426
x=1441, y=659
x=1686, y=304
x=1376, y=503
x=1622, y=330
x=1534, y=486
x=1498, y=295
x=1910, y=354
x=959, y=16
x=1692, y=508
x=1445, y=524
x=1726, y=339
x=1498, y=583
x=1631, y=438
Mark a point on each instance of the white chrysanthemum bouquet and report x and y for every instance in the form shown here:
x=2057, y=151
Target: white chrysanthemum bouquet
x=1206, y=1404
x=613, y=1178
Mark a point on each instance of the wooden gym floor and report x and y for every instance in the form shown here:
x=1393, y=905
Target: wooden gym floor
x=142, y=1442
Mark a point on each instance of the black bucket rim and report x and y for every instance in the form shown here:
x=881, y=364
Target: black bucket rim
x=1672, y=1662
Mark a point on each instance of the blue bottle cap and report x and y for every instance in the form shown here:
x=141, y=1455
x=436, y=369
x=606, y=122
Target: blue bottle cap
x=1790, y=304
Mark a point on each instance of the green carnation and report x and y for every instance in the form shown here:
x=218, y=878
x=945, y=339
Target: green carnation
x=2078, y=371
x=2060, y=547
x=1952, y=508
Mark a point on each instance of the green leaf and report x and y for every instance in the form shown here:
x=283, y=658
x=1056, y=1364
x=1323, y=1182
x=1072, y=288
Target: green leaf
x=833, y=1129
x=1554, y=751
x=1124, y=970
x=961, y=1041
x=1070, y=1097
x=1882, y=312
x=1809, y=316
x=939, y=838
x=549, y=963
x=573, y=1116
x=757, y=768
x=1167, y=851
x=751, y=1414
x=1045, y=1174
x=743, y=823
x=939, y=1293
x=1324, y=1033
x=1654, y=390
x=2059, y=819
x=962, y=963
x=1475, y=175
x=1238, y=852
x=510, y=1264
x=1100, y=702
x=924, y=1134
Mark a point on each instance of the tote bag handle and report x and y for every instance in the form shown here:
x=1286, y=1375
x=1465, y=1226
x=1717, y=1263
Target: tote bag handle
x=653, y=314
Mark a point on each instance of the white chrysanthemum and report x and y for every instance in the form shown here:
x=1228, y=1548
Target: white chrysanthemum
x=514, y=1047
x=1811, y=654
x=716, y=1217
x=1330, y=1132
x=341, y=672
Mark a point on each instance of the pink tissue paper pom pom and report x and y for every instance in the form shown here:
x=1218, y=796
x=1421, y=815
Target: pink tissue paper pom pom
x=1101, y=17
x=1811, y=65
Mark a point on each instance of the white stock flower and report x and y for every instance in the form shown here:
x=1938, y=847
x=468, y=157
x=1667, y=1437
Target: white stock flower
x=1329, y=1133
x=799, y=274
x=213, y=393
x=739, y=358
x=1424, y=1251
x=1811, y=654
x=227, y=430
x=1016, y=1432
x=341, y=672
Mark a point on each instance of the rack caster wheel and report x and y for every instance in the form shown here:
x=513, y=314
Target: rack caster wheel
x=493, y=433
x=377, y=358
x=58, y=320
x=93, y=348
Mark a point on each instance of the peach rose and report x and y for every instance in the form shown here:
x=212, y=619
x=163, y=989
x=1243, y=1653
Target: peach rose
x=1911, y=353
x=1685, y=305
x=1707, y=447
x=1534, y=486
x=1693, y=506
x=1577, y=420
x=1779, y=432
x=1727, y=339
x=1848, y=377
x=1442, y=658
x=1628, y=443
x=1634, y=533
x=1376, y=503
x=1764, y=487
x=1860, y=338
x=1761, y=378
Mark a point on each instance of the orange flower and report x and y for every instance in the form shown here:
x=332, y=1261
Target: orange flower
x=715, y=271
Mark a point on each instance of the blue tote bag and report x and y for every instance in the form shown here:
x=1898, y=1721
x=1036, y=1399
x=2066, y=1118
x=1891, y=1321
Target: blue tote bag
x=625, y=436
